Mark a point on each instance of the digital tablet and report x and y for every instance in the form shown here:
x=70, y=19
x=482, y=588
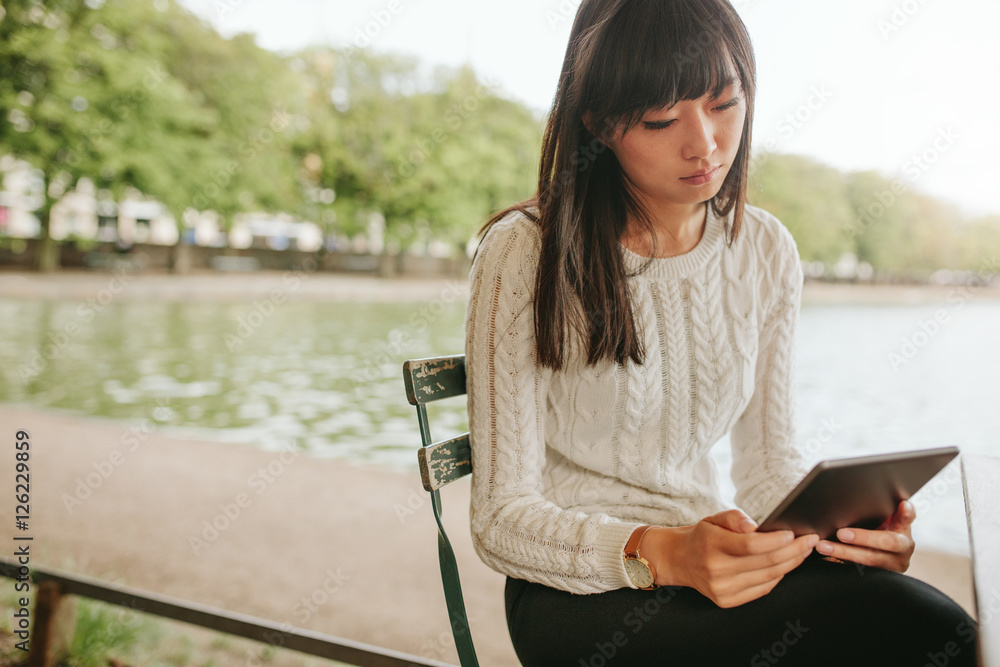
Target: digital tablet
x=860, y=492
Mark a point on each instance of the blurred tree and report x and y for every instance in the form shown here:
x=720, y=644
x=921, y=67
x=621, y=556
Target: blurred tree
x=136, y=94
x=979, y=246
x=80, y=96
x=487, y=158
x=810, y=198
x=885, y=229
x=435, y=152
x=255, y=102
x=173, y=109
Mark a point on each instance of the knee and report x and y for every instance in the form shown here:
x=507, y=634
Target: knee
x=929, y=616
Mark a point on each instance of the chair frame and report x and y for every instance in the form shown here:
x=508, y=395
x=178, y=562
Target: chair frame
x=428, y=380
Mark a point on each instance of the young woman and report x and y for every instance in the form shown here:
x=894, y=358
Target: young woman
x=618, y=326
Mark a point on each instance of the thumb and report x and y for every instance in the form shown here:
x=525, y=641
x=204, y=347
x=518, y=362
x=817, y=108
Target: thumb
x=902, y=518
x=733, y=520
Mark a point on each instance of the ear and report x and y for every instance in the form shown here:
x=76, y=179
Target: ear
x=588, y=122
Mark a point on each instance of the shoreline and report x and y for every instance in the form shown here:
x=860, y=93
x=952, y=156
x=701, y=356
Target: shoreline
x=263, y=533
x=340, y=287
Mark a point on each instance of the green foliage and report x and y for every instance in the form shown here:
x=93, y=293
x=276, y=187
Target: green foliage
x=880, y=220
x=809, y=198
x=438, y=153
x=979, y=245
x=104, y=631
x=135, y=94
x=134, y=97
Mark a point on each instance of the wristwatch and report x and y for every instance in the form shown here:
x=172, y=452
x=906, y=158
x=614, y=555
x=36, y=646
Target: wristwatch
x=640, y=571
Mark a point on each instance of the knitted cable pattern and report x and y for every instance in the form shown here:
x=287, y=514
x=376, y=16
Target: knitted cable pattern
x=567, y=464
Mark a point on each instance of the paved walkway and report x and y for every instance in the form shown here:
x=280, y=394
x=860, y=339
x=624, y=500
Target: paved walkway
x=322, y=544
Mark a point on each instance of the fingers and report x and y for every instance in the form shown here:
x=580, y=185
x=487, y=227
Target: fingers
x=885, y=560
x=902, y=518
x=885, y=549
x=723, y=572
x=745, y=595
x=880, y=540
x=733, y=520
x=735, y=565
x=780, y=561
x=777, y=564
x=755, y=543
x=763, y=543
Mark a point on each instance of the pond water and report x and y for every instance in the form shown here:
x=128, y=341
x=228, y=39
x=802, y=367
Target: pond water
x=327, y=377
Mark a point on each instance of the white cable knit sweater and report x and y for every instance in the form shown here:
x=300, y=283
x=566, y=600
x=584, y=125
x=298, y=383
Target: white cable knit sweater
x=567, y=464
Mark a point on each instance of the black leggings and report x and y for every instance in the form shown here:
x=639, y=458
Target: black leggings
x=822, y=613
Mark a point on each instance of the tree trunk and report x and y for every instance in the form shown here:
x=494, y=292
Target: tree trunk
x=47, y=256
x=180, y=258
x=388, y=264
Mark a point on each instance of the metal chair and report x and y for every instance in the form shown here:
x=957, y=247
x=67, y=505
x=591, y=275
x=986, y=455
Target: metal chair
x=441, y=463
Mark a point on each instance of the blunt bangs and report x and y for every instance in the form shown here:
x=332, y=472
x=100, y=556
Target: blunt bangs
x=656, y=53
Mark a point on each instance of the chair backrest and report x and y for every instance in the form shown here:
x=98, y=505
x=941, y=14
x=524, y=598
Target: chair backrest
x=429, y=380
x=441, y=463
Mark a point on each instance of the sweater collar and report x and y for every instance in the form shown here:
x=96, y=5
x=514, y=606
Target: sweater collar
x=680, y=266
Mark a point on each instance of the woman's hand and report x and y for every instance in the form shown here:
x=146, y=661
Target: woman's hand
x=890, y=547
x=723, y=557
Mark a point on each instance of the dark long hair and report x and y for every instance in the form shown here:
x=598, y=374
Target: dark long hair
x=625, y=57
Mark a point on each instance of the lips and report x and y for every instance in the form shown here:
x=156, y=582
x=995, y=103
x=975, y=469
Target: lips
x=702, y=177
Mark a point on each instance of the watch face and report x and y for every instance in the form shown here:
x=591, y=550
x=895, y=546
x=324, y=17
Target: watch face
x=638, y=573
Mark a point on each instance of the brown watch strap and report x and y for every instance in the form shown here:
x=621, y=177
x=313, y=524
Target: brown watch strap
x=632, y=546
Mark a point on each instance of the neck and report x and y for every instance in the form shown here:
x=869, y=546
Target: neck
x=678, y=229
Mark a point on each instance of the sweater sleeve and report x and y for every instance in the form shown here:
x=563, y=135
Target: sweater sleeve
x=515, y=529
x=766, y=461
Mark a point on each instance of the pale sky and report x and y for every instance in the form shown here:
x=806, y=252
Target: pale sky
x=888, y=80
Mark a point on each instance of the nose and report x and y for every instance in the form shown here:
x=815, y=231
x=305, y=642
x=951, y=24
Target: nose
x=699, y=140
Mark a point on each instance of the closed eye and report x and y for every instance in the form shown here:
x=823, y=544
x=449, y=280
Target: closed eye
x=658, y=124
x=729, y=105
x=664, y=124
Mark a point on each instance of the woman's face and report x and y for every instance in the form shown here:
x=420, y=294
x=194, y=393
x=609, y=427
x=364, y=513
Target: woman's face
x=680, y=156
